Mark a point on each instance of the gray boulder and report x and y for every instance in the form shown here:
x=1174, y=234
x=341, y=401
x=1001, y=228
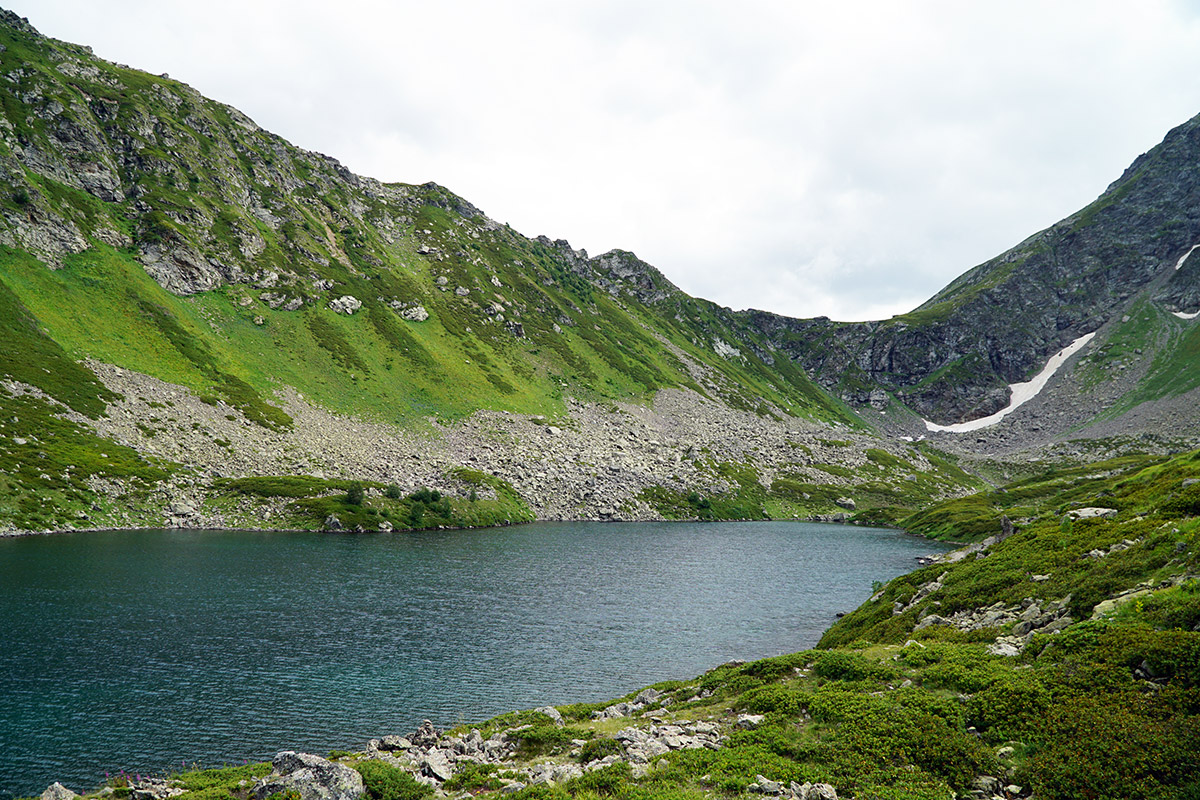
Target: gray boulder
x=552, y=713
x=813, y=791
x=415, y=314
x=155, y=789
x=393, y=742
x=315, y=778
x=436, y=765
x=648, y=696
x=56, y=791
x=346, y=304
x=1092, y=513
x=424, y=736
x=764, y=785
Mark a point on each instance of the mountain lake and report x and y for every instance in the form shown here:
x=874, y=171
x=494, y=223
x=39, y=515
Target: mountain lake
x=148, y=650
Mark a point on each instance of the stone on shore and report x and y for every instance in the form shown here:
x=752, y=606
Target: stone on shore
x=56, y=791
x=313, y=777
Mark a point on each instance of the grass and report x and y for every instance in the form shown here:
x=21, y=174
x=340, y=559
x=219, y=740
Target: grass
x=308, y=502
x=49, y=466
x=885, y=487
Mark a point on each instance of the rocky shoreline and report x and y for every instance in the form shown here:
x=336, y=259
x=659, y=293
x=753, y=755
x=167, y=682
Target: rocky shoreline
x=433, y=758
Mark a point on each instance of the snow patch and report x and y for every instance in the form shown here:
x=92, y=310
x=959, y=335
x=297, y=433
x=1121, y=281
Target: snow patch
x=1185, y=315
x=1184, y=257
x=1021, y=392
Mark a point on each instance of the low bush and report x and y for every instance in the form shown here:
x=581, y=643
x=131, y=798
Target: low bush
x=597, y=749
x=384, y=782
x=774, y=699
x=546, y=740
x=841, y=666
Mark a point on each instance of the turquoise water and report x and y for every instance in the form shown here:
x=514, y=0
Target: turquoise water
x=140, y=650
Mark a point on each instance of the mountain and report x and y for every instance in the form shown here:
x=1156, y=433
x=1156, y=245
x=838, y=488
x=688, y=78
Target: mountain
x=195, y=308
x=1118, y=268
x=205, y=325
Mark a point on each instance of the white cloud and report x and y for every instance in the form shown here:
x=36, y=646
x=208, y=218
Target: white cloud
x=841, y=159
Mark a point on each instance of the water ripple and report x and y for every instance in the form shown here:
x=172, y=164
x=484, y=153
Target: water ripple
x=141, y=650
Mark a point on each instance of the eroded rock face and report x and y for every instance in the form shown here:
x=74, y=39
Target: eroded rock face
x=315, y=778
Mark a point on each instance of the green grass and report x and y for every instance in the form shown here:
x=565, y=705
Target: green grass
x=48, y=465
x=311, y=501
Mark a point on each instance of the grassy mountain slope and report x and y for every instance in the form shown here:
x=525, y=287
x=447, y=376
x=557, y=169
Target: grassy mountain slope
x=109, y=172
x=158, y=248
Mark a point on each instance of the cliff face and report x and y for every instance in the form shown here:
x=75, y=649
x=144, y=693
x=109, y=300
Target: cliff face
x=952, y=358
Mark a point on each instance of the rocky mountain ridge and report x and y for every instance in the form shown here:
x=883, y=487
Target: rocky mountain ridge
x=952, y=358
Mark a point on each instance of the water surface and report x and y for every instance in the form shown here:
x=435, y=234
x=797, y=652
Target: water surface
x=140, y=650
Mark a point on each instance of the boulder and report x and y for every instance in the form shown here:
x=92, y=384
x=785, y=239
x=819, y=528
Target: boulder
x=1006, y=645
x=346, y=304
x=415, y=314
x=846, y=503
x=813, y=791
x=764, y=785
x=436, y=765
x=181, y=508
x=56, y=791
x=155, y=789
x=332, y=523
x=1092, y=513
x=648, y=696
x=424, y=736
x=552, y=713
x=394, y=742
x=313, y=777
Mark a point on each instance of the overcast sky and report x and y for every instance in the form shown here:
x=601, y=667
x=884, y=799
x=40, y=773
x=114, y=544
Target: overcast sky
x=845, y=159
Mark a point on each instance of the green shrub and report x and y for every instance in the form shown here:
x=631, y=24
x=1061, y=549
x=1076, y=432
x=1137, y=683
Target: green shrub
x=545, y=740
x=610, y=781
x=840, y=666
x=597, y=749
x=774, y=699
x=355, y=494
x=474, y=778
x=382, y=781
x=1010, y=707
x=1105, y=747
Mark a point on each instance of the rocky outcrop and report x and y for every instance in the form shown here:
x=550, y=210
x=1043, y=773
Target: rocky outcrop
x=434, y=758
x=56, y=791
x=793, y=790
x=313, y=777
x=1023, y=621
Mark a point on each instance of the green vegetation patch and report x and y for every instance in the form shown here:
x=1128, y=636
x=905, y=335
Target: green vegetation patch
x=383, y=781
x=49, y=466
x=367, y=505
x=32, y=357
